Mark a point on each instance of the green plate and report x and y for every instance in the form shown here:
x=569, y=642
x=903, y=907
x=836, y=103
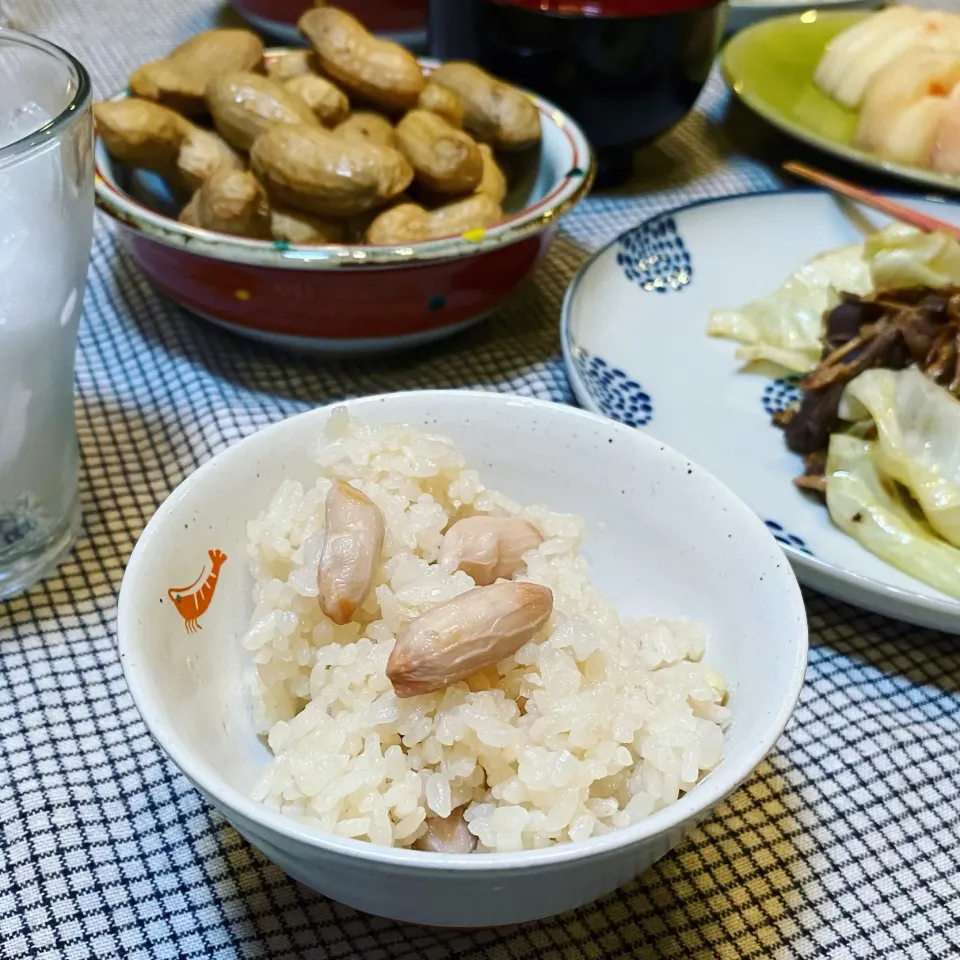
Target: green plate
x=770, y=67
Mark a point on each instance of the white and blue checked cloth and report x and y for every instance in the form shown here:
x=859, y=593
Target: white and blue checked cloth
x=845, y=844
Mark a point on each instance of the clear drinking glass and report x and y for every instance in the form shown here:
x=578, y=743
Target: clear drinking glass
x=46, y=221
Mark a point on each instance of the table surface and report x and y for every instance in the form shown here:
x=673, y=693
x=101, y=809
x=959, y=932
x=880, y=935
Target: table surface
x=844, y=844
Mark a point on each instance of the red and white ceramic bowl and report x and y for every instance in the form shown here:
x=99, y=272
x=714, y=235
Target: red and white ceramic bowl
x=352, y=299
x=404, y=21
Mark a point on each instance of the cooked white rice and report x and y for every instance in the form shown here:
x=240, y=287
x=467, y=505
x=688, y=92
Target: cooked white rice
x=592, y=726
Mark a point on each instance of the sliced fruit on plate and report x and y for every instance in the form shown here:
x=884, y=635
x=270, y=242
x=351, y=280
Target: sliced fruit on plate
x=906, y=103
x=945, y=154
x=853, y=58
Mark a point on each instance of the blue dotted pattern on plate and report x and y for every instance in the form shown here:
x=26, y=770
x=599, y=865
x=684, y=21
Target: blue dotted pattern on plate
x=781, y=394
x=786, y=538
x=618, y=395
x=653, y=256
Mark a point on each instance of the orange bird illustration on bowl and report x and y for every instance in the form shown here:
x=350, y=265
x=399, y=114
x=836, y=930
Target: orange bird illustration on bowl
x=192, y=602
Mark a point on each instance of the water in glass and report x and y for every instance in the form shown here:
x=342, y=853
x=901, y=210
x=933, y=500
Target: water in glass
x=46, y=213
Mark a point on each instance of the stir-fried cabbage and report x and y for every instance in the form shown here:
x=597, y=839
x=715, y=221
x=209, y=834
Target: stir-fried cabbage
x=903, y=256
x=873, y=510
x=786, y=326
x=918, y=439
x=897, y=495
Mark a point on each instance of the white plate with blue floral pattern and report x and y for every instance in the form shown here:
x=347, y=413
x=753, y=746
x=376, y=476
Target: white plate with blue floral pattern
x=636, y=349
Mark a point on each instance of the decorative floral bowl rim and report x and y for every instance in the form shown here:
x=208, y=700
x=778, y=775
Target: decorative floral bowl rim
x=566, y=193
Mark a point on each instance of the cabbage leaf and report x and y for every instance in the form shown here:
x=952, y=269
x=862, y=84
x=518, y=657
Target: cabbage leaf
x=786, y=326
x=918, y=439
x=874, y=511
x=903, y=256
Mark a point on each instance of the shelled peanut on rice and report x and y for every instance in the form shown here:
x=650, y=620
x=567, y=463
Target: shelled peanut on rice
x=313, y=146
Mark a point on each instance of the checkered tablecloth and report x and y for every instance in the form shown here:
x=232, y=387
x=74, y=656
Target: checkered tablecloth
x=844, y=844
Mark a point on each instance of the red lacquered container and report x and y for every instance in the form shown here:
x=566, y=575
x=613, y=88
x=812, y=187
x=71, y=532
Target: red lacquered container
x=626, y=70
x=402, y=20
x=353, y=299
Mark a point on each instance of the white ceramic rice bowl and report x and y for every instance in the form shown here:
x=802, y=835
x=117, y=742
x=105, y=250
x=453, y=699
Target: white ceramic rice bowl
x=666, y=539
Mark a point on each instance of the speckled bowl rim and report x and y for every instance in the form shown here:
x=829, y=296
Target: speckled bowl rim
x=568, y=191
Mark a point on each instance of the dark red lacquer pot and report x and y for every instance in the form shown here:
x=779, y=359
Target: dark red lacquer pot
x=401, y=20
x=628, y=70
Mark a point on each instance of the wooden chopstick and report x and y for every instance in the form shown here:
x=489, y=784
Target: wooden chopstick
x=868, y=199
